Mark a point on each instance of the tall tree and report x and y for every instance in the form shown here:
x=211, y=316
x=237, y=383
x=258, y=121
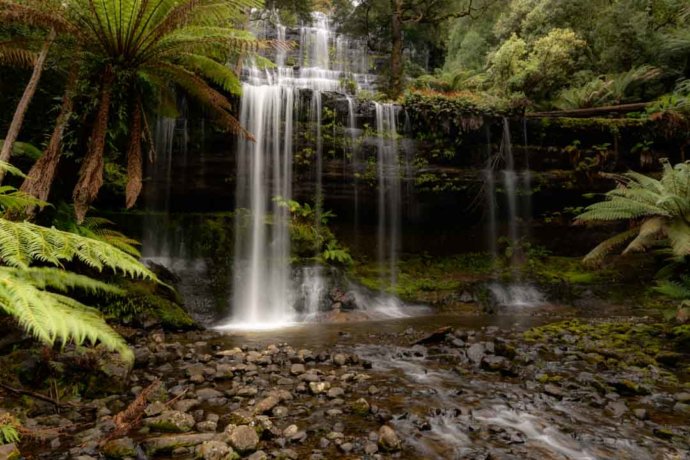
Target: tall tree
x=23, y=106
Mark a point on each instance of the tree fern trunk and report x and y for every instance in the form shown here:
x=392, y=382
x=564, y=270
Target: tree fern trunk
x=24, y=102
x=41, y=175
x=134, y=167
x=91, y=172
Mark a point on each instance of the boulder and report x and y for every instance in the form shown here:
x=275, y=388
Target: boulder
x=213, y=450
x=171, y=421
x=242, y=438
x=388, y=439
x=119, y=448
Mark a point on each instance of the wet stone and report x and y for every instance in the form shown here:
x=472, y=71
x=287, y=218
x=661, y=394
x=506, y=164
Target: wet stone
x=476, y=352
x=266, y=404
x=336, y=392
x=361, y=407
x=171, y=421
x=388, y=439
x=243, y=438
x=319, y=387
x=297, y=369
x=213, y=450
x=118, y=448
x=280, y=412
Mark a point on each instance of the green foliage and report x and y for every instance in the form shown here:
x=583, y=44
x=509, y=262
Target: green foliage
x=36, y=296
x=24, y=149
x=310, y=236
x=656, y=210
x=9, y=426
x=335, y=255
x=97, y=228
x=538, y=47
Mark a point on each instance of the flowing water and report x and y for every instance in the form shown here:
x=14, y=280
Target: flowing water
x=517, y=191
x=265, y=292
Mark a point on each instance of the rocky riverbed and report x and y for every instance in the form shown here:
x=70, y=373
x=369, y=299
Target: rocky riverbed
x=375, y=390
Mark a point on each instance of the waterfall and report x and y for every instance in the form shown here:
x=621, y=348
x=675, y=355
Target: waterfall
x=264, y=171
x=264, y=292
x=389, y=200
x=517, y=190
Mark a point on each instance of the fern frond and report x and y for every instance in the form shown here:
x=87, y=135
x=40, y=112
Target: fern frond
x=673, y=289
x=22, y=243
x=596, y=255
x=218, y=73
x=17, y=57
x=12, y=199
x=650, y=231
x=52, y=317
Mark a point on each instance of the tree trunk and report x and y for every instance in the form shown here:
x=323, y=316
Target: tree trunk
x=91, y=172
x=24, y=102
x=396, y=68
x=41, y=175
x=134, y=167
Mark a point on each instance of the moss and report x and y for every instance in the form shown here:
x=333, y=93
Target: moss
x=423, y=275
x=546, y=378
x=611, y=344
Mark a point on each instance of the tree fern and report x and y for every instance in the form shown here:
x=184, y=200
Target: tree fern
x=659, y=208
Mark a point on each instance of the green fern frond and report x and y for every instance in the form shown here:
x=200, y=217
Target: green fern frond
x=218, y=73
x=22, y=243
x=650, y=232
x=52, y=317
x=596, y=255
x=673, y=289
x=12, y=199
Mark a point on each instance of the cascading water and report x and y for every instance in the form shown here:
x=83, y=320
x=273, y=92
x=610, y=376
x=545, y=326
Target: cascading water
x=389, y=200
x=264, y=293
x=517, y=190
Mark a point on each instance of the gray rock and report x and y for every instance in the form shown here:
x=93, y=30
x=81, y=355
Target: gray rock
x=336, y=392
x=297, y=369
x=207, y=426
x=155, y=408
x=266, y=404
x=243, y=438
x=617, y=408
x=681, y=408
x=319, y=387
x=258, y=455
x=208, y=393
x=290, y=431
x=163, y=444
x=346, y=447
x=340, y=359
x=9, y=452
x=476, y=352
x=213, y=450
x=185, y=405
x=361, y=407
x=388, y=439
x=171, y=421
x=682, y=397
x=280, y=412
x=118, y=448
x=370, y=448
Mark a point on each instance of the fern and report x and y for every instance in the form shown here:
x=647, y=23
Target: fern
x=52, y=317
x=24, y=243
x=97, y=228
x=659, y=208
x=9, y=427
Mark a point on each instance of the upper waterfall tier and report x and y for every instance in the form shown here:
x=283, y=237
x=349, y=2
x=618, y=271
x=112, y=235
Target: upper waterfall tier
x=323, y=61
